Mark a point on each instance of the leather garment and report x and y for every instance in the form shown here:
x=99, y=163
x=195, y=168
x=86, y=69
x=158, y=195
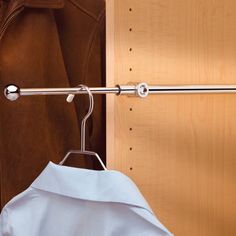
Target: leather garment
x=48, y=43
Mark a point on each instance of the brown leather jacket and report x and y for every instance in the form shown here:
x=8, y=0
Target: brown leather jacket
x=48, y=43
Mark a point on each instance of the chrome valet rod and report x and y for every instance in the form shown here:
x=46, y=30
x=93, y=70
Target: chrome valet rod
x=13, y=92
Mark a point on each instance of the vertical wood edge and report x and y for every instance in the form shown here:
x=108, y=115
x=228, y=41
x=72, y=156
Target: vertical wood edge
x=110, y=80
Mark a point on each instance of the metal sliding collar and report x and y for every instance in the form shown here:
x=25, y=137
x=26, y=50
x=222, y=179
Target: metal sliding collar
x=140, y=90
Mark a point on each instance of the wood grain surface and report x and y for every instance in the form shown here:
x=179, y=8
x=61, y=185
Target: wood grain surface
x=179, y=149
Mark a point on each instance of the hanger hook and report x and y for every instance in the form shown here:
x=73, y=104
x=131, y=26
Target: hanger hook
x=83, y=123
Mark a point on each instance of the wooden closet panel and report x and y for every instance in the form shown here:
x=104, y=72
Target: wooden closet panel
x=179, y=149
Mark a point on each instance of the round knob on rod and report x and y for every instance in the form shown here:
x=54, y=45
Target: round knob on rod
x=12, y=92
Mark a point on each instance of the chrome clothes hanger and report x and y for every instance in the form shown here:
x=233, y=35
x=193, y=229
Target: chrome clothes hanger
x=83, y=130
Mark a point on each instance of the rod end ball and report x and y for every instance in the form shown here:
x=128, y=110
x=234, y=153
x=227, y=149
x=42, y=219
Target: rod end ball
x=12, y=92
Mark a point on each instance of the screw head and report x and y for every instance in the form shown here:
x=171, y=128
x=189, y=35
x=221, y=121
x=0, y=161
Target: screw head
x=142, y=90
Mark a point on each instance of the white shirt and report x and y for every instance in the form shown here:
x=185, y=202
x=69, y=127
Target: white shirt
x=68, y=201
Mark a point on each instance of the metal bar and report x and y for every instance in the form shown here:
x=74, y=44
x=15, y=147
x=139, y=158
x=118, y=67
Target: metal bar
x=194, y=89
x=61, y=91
x=13, y=92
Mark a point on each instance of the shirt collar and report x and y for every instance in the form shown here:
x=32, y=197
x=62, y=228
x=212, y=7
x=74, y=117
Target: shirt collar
x=84, y=184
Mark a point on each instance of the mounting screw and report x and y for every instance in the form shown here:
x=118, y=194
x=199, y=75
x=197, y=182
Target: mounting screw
x=142, y=90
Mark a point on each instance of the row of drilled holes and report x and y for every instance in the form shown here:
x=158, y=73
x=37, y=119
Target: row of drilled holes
x=131, y=148
x=131, y=109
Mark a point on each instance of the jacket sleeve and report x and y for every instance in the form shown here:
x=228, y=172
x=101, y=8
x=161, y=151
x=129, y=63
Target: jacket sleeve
x=4, y=223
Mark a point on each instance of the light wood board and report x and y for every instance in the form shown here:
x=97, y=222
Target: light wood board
x=179, y=149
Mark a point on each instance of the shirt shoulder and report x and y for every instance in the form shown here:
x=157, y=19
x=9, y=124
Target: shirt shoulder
x=13, y=210
x=20, y=199
x=4, y=223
